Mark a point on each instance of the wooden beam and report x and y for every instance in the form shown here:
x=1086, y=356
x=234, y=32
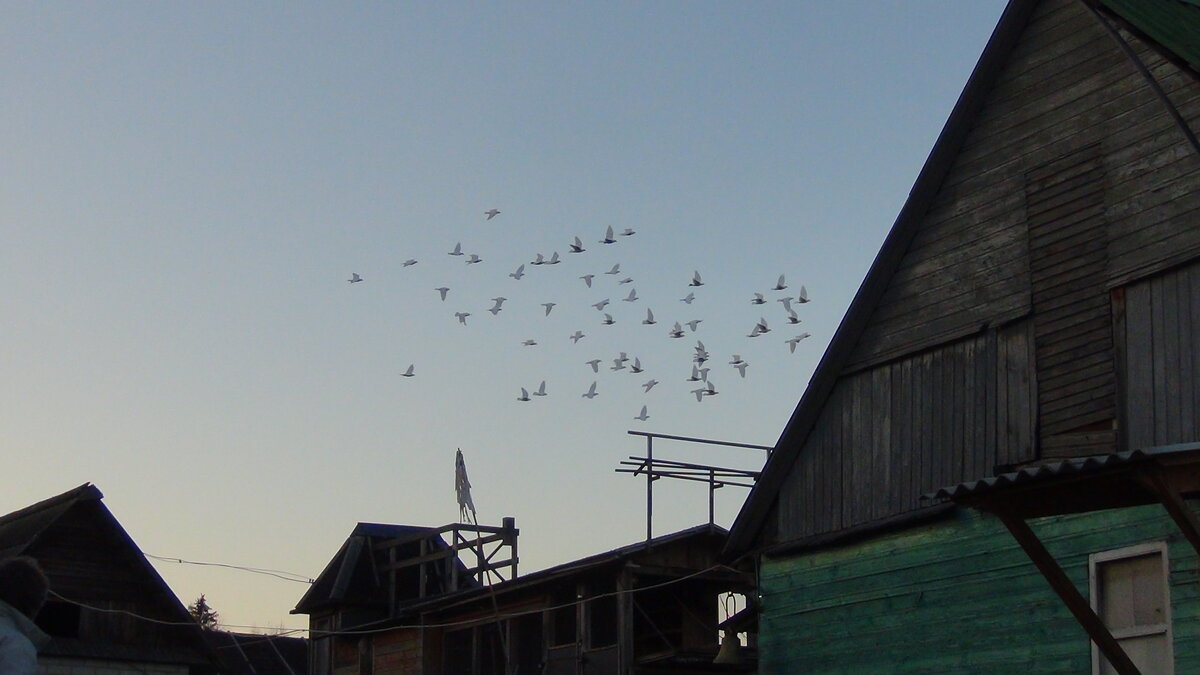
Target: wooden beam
x=1074, y=600
x=1173, y=502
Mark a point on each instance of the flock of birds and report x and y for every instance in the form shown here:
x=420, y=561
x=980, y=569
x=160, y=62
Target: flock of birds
x=700, y=357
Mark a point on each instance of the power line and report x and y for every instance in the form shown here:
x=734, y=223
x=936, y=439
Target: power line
x=278, y=574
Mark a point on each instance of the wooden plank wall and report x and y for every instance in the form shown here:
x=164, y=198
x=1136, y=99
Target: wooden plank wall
x=1161, y=333
x=891, y=433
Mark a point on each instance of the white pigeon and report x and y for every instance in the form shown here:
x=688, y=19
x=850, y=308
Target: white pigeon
x=530, y=343
x=519, y=273
x=696, y=279
x=642, y=417
x=687, y=299
x=779, y=285
x=741, y=368
x=553, y=259
x=628, y=232
x=587, y=279
x=618, y=364
x=524, y=395
x=472, y=259
x=491, y=213
x=637, y=365
x=354, y=278
x=549, y=306
x=676, y=331
x=649, y=384
x=541, y=390
x=758, y=299
x=803, y=295
x=409, y=263
x=443, y=291
x=787, y=302
x=595, y=364
x=600, y=305
x=626, y=280
x=462, y=317
x=608, y=237
x=608, y=320
x=649, y=320
x=591, y=392
x=793, y=317
x=576, y=336
x=616, y=269
x=577, y=247
x=409, y=372
x=692, y=324
x=457, y=249
x=632, y=297
x=539, y=260
x=796, y=340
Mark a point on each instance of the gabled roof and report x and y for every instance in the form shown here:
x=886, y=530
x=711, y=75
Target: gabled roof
x=19, y=529
x=989, y=67
x=1171, y=25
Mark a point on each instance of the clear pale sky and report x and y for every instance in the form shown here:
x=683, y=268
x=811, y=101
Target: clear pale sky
x=187, y=187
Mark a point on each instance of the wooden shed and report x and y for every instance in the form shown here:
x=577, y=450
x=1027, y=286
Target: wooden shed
x=1037, y=302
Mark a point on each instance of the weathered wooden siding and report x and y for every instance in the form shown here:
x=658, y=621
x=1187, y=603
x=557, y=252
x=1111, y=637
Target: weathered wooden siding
x=957, y=596
x=893, y=432
x=1068, y=89
x=1161, y=331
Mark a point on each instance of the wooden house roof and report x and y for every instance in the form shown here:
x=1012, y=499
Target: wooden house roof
x=1164, y=21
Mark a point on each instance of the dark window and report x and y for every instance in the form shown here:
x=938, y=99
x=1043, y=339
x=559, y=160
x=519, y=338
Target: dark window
x=602, y=622
x=458, y=651
x=563, y=622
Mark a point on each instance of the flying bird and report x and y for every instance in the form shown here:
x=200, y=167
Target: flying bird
x=637, y=365
x=616, y=269
x=687, y=299
x=696, y=279
x=608, y=237
x=676, y=331
x=354, y=278
x=539, y=260
x=457, y=250
x=462, y=317
x=591, y=392
x=699, y=393
x=793, y=317
x=587, y=279
x=741, y=368
x=803, y=295
x=758, y=299
x=759, y=328
x=577, y=247
x=779, y=285
x=711, y=389
x=576, y=336
x=409, y=372
x=524, y=395
x=608, y=320
x=595, y=364
x=443, y=291
x=472, y=259
x=692, y=324
x=496, y=308
x=409, y=263
x=529, y=343
x=541, y=390
x=553, y=259
x=628, y=233
x=519, y=273
x=787, y=302
x=549, y=306
x=642, y=417
x=695, y=376
x=735, y=360
x=792, y=342
x=626, y=280
x=492, y=213
x=622, y=357
x=618, y=364
x=632, y=297
x=601, y=305
x=649, y=384
x=649, y=320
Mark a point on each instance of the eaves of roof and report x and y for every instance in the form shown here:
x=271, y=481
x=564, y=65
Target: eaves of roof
x=1171, y=25
x=995, y=55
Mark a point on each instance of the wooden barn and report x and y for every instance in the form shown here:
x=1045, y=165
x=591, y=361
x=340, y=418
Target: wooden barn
x=994, y=466
x=401, y=600
x=101, y=585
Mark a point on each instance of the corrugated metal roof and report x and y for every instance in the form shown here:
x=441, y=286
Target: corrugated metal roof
x=1042, y=473
x=1173, y=24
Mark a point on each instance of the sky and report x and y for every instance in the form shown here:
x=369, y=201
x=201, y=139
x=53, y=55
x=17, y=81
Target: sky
x=187, y=188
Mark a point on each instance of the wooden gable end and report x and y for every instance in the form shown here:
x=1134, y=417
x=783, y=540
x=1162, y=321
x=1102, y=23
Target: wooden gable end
x=995, y=340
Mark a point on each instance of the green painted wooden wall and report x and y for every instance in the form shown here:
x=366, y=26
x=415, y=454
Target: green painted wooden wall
x=957, y=596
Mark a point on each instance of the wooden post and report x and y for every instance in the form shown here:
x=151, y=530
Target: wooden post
x=649, y=490
x=1074, y=600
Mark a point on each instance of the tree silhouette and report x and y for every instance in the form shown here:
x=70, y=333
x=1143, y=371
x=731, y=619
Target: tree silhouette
x=203, y=614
